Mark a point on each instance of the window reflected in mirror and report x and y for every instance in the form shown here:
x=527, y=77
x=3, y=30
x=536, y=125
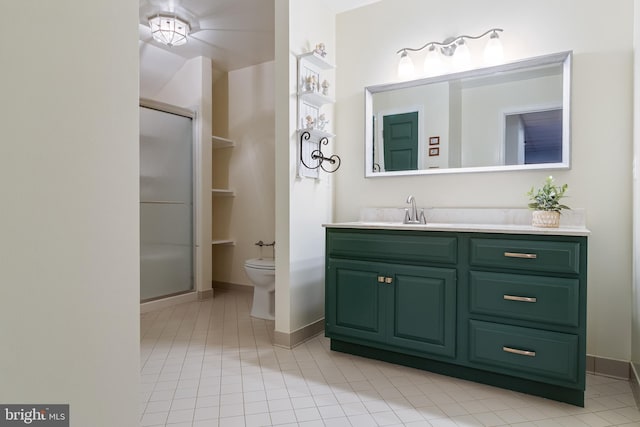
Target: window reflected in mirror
x=532, y=138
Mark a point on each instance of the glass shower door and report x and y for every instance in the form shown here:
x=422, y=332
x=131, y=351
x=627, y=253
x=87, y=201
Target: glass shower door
x=166, y=204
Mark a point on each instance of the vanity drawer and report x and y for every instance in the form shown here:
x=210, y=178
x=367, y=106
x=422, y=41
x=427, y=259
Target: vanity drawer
x=532, y=255
x=524, y=352
x=535, y=298
x=405, y=247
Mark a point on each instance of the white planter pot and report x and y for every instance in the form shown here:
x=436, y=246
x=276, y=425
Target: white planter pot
x=545, y=219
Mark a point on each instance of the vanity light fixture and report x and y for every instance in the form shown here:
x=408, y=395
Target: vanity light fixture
x=432, y=62
x=493, y=52
x=461, y=56
x=405, y=66
x=454, y=47
x=169, y=29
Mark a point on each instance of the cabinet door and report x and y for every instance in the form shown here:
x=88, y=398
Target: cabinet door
x=421, y=309
x=353, y=300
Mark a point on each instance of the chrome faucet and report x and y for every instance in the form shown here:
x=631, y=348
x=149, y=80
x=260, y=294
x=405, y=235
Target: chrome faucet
x=411, y=216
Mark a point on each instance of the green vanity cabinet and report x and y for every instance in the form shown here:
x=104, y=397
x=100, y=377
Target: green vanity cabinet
x=502, y=309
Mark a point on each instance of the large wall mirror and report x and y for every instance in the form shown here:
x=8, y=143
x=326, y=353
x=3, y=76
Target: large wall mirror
x=507, y=117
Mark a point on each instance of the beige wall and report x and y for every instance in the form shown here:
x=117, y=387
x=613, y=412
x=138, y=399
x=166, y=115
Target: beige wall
x=69, y=179
x=302, y=204
x=600, y=177
x=220, y=101
x=248, y=169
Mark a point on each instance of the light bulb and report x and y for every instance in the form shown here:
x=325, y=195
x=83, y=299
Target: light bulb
x=405, y=67
x=432, y=62
x=462, y=56
x=493, y=52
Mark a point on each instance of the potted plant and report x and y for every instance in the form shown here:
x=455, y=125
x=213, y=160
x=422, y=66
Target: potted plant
x=546, y=205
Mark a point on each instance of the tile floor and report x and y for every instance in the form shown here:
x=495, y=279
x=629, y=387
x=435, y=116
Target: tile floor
x=210, y=364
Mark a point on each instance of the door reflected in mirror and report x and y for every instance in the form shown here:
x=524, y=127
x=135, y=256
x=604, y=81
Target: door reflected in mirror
x=513, y=116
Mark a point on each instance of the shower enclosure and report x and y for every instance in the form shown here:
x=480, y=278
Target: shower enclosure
x=166, y=202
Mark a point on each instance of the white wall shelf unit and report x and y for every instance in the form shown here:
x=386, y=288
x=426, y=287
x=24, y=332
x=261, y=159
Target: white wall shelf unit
x=315, y=98
x=312, y=94
x=316, y=60
x=317, y=133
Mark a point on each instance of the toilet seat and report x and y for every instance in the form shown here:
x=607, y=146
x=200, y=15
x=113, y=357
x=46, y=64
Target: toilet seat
x=261, y=263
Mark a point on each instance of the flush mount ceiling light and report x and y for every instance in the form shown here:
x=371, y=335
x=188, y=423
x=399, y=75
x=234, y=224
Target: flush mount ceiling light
x=454, y=47
x=169, y=29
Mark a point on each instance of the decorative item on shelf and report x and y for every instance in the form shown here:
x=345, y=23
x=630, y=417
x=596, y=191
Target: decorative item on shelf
x=311, y=84
x=309, y=122
x=546, y=205
x=320, y=50
x=318, y=156
x=322, y=122
x=454, y=47
x=325, y=88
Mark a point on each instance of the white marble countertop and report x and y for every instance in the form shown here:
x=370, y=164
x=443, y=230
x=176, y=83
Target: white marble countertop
x=483, y=220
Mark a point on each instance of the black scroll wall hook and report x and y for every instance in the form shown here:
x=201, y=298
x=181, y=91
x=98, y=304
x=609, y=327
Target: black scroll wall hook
x=328, y=164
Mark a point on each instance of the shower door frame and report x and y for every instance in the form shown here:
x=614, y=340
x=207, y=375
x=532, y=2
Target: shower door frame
x=195, y=185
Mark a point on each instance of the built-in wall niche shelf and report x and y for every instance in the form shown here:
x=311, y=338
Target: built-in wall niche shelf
x=220, y=142
x=223, y=192
x=313, y=91
x=223, y=242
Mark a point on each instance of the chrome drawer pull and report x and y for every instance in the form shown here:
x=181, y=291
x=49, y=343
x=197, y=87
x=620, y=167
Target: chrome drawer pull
x=516, y=298
x=520, y=255
x=520, y=352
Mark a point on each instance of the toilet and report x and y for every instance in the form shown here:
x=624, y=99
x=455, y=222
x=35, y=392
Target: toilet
x=262, y=274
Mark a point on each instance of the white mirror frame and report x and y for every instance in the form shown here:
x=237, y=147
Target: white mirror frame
x=563, y=58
